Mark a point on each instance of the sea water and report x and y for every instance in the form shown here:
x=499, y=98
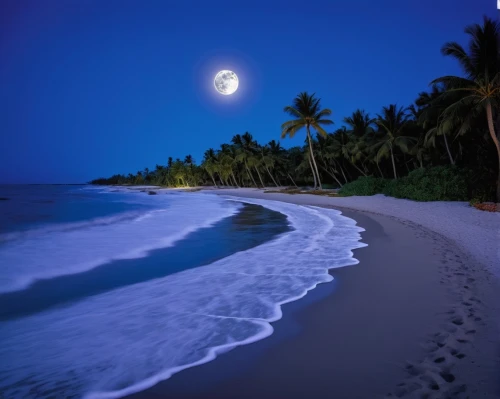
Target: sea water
x=142, y=312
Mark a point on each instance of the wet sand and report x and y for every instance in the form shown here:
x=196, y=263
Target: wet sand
x=404, y=322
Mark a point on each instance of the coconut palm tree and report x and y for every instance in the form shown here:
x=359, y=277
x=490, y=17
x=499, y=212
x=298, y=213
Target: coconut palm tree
x=481, y=85
x=227, y=159
x=253, y=161
x=292, y=159
x=244, y=146
x=209, y=163
x=268, y=161
x=392, y=123
x=359, y=123
x=179, y=173
x=339, y=149
x=325, y=157
x=430, y=116
x=306, y=110
x=278, y=154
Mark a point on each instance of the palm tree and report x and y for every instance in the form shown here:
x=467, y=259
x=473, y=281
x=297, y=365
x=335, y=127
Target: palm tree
x=146, y=175
x=324, y=145
x=268, y=161
x=209, y=163
x=244, y=145
x=338, y=150
x=429, y=116
x=291, y=162
x=360, y=123
x=481, y=85
x=254, y=157
x=277, y=153
x=179, y=172
x=392, y=123
x=420, y=152
x=189, y=162
x=253, y=161
x=306, y=110
x=228, y=157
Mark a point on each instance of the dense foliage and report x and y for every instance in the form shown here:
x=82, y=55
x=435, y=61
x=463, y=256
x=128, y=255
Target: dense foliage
x=441, y=183
x=365, y=185
x=401, y=151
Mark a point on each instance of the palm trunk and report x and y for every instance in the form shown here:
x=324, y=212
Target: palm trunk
x=314, y=174
x=272, y=178
x=335, y=172
x=359, y=170
x=348, y=173
x=260, y=177
x=234, y=178
x=380, y=170
x=212, y=176
x=491, y=128
x=332, y=175
x=312, y=156
x=343, y=174
x=448, y=149
x=290, y=177
x=250, y=175
x=393, y=163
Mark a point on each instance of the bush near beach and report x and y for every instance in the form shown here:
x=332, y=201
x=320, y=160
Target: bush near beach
x=442, y=183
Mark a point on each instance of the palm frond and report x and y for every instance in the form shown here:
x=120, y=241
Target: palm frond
x=457, y=51
x=454, y=82
x=323, y=112
x=455, y=110
x=293, y=111
x=320, y=130
x=324, y=122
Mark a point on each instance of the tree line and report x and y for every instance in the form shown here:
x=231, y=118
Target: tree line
x=456, y=122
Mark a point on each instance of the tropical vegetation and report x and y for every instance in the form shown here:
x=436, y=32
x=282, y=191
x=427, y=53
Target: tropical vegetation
x=443, y=146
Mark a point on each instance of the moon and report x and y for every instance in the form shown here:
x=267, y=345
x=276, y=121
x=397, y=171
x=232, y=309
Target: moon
x=226, y=82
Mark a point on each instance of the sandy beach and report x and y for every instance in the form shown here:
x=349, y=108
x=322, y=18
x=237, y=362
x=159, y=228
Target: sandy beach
x=417, y=317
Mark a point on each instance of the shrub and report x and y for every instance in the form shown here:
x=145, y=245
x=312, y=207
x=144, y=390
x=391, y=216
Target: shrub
x=365, y=185
x=328, y=186
x=441, y=183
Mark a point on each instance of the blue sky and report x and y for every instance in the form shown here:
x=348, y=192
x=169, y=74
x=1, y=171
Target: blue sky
x=91, y=88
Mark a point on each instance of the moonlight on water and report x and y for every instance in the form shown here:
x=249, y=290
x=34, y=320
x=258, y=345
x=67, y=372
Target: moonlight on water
x=226, y=82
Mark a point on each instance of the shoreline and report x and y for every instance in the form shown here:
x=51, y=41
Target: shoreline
x=447, y=345
x=476, y=232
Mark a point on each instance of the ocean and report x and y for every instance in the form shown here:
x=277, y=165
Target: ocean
x=104, y=291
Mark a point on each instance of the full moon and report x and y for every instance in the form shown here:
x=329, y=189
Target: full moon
x=226, y=82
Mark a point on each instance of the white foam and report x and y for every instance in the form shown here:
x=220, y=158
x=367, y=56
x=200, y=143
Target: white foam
x=127, y=340
x=63, y=249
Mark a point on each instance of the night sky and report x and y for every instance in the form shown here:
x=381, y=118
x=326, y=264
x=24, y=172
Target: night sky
x=90, y=88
